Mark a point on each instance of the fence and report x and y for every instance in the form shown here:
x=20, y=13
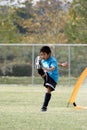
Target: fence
x=17, y=62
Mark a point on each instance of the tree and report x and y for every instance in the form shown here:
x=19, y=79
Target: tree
x=23, y=18
x=8, y=32
x=46, y=24
x=76, y=27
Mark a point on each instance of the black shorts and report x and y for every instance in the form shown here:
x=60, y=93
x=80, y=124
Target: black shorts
x=49, y=82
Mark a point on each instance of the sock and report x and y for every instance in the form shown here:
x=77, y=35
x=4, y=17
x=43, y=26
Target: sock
x=46, y=100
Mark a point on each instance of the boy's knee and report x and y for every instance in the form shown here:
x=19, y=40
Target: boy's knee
x=41, y=72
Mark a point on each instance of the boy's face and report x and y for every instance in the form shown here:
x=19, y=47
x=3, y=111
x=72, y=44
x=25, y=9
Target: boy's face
x=44, y=55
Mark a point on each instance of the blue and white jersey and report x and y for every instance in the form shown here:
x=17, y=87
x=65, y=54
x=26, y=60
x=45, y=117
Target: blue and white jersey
x=51, y=62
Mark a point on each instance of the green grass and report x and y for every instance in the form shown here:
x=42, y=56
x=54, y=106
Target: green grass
x=20, y=109
x=37, y=80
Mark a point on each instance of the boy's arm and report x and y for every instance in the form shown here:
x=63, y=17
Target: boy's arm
x=49, y=69
x=65, y=64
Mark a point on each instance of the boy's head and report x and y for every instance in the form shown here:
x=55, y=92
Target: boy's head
x=45, y=49
x=45, y=52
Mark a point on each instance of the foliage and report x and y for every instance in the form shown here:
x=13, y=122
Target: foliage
x=44, y=22
x=15, y=69
x=75, y=28
x=15, y=61
x=8, y=32
x=47, y=24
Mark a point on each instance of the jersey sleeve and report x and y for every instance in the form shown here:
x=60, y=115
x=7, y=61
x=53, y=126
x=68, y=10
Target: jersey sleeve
x=53, y=64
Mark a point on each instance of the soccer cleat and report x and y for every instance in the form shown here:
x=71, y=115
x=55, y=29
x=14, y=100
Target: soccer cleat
x=43, y=109
x=38, y=62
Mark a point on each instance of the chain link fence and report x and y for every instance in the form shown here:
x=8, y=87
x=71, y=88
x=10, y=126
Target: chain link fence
x=17, y=62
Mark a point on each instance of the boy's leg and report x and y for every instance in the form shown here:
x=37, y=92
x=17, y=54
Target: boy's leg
x=42, y=74
x=46, y=99
x=47, y=94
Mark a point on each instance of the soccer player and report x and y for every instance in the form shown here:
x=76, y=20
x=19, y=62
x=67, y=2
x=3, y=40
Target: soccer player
x=47, y=67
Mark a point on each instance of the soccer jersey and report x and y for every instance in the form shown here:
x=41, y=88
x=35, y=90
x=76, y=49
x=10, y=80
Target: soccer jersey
x=51, y=62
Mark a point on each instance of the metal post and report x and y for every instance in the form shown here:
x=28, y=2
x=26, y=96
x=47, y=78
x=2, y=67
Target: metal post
x=69, y=61
x=32, y=65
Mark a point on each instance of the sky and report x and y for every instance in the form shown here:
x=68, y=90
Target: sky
x=15, y=2
x=60, y=0
x=34, y=1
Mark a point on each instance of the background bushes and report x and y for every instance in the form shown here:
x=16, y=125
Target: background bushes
x=16, y=70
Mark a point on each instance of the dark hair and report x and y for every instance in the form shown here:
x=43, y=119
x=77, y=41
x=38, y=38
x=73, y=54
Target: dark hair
x=45, y=49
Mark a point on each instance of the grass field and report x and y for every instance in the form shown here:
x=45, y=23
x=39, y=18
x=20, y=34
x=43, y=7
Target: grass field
x=20, y=109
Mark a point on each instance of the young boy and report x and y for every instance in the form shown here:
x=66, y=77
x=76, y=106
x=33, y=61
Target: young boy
x=47, y=67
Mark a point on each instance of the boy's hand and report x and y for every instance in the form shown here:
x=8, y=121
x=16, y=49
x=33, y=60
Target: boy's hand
x=65, y=64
